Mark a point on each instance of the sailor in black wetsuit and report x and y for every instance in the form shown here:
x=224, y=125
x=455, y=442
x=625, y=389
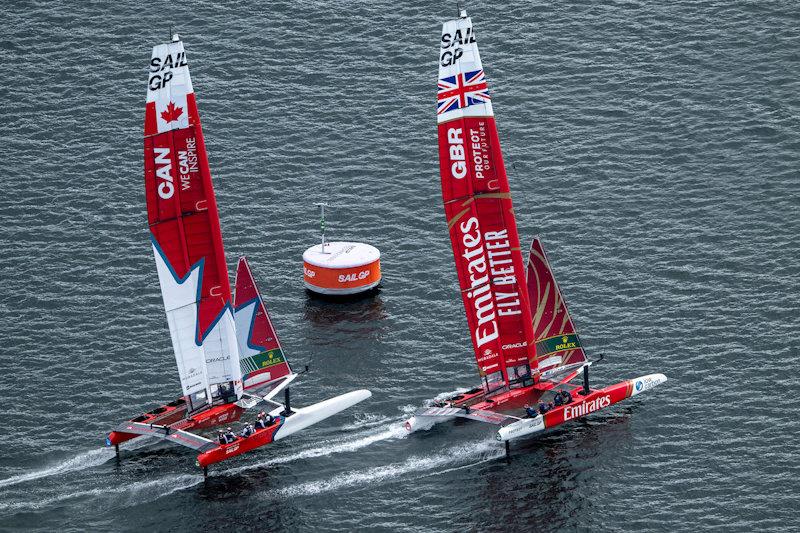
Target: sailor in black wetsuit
x=566, y=396
x=558, y=400
x=264, y=420
x=229, y=436
x=221, y=437
x=542, y=408
x=531, y=411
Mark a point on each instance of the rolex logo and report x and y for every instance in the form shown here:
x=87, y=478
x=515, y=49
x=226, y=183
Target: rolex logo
x=564, y=339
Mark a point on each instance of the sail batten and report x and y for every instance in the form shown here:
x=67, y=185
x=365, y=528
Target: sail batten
x=186, y=236
x=480, y=215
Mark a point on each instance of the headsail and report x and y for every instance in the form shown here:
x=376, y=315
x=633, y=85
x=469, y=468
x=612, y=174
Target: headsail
x=186, y=237
x=261, y=357
x=480, y=214
x=557, y=342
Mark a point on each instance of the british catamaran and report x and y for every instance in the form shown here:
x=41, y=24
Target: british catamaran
x=524, y=339
x=228, y=355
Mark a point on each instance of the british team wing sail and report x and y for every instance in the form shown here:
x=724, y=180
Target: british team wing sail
x=185, y=232
x=480, y=215
x=557, y=342
x=261, y=356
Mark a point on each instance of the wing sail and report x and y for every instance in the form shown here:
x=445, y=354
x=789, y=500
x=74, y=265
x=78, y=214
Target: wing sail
x=185, y=231
x=557, y=342
x=261, y=357
x=480, y=214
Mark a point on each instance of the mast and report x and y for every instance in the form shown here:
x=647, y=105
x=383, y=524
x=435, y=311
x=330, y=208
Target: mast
x=480, y=215
x=185, y=232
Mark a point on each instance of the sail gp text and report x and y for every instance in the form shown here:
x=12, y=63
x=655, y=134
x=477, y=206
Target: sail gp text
x=452, y=43
x=161, y=70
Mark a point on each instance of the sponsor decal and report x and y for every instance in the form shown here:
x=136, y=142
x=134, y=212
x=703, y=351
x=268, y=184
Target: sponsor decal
x=639, y=385
x=218, y=359
x=187, y=163
x=308, y=272
x=231, y=449
x=344, y=278
x=479, y=293
x=567, y=341
x=583, y=409
x=516, y=345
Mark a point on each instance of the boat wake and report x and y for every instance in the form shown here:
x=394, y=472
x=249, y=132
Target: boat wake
x=362, y=439
x=134, y=493
x=82, y=461
x=469, y=455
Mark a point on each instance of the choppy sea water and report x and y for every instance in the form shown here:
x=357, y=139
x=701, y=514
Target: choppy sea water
x=653, y=146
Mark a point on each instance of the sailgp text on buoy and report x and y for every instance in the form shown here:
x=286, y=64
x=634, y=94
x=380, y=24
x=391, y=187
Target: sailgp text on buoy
x=341, y=268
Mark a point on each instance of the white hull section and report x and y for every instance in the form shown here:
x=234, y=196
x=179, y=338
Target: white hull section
x=304, y=417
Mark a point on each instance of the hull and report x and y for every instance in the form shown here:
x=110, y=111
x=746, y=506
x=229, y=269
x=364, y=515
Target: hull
x=261, y=437
x=284, y=426
x=580, y=407
x=174, y=415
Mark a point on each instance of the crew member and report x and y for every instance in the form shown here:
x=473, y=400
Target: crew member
x=531, y=411
x=558, y=400
x=247, y=430
x=264, y=420
x=229, y=435
x=566, y=396
x=221, y=437
x=542, y=408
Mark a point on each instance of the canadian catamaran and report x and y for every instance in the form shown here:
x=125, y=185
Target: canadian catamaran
x=228, y=355
x=524, y=339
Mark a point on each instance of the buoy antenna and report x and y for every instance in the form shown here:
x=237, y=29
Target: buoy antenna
x=322, y=206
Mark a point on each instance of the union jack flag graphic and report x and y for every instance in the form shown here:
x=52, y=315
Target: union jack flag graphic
x=462, y=90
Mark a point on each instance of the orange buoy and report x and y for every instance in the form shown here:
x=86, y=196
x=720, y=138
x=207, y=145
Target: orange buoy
x=341, y=268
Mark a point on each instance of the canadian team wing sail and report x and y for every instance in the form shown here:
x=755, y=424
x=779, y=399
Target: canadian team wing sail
x=480, y=215
x=261, y=356
x=557, y=342
x=185, y=232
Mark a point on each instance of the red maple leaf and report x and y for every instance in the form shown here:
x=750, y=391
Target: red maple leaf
x=172, y=113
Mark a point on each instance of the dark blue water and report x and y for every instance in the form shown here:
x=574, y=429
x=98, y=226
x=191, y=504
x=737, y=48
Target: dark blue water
x=654, y=147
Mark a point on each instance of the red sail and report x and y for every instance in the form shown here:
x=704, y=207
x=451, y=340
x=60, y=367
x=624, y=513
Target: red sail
x=183, y=218
x=557, y=342
x=480, y=214
x=261, y=357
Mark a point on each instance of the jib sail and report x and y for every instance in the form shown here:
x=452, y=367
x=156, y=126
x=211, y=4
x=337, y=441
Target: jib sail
x=185, y=231
x=261, y=357
x=480, y=215
x=557, y=342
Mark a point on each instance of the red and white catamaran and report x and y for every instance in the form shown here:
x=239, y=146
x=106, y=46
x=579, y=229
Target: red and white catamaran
x=525, y=342
x=229, y=358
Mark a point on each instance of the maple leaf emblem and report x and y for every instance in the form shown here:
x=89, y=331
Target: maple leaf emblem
x=171, y=113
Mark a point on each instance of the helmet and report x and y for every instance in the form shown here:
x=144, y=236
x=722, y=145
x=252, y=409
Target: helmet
x=229, y=428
